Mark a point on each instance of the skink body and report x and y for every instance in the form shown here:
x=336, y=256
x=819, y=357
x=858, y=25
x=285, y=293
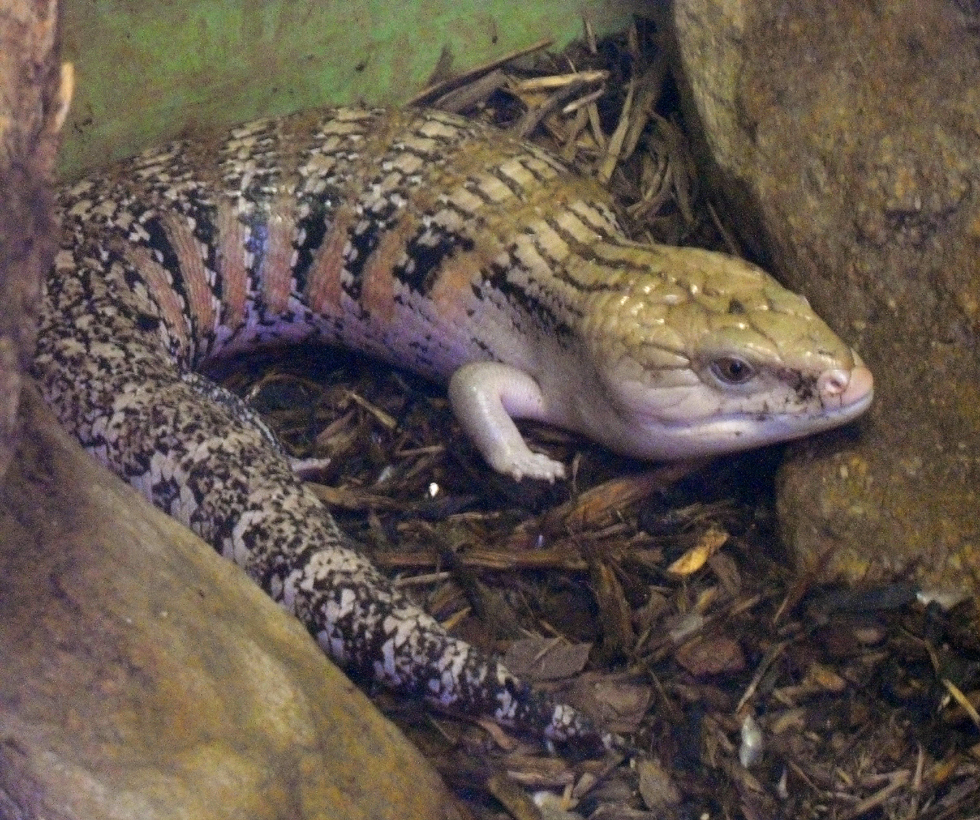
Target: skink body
x=439, y=245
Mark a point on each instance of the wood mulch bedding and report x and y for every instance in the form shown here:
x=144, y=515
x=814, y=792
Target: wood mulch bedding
x=658, y=599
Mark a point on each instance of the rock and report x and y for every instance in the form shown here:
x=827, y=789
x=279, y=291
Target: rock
x=848, y=136
x=34, y=93
x=141, y=676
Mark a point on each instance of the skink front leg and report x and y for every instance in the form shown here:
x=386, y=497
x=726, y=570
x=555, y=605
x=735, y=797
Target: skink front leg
x=486, y=398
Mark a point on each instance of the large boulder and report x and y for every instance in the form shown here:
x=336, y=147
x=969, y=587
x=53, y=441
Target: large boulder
x=34, y=92
x=848, y=137
x=143, y=677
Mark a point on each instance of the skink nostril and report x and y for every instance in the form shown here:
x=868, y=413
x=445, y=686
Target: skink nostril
x=833, y=382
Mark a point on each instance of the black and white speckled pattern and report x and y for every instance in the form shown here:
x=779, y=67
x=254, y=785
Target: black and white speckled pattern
x=123, y=327
x=442, y=246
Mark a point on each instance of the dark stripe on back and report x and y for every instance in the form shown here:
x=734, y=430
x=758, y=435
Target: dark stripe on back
x=592, y=255
x=512, y=185
x=426, y=252
x=159, y=244
x=315, y=227
x=363, y=238
x=497, y=276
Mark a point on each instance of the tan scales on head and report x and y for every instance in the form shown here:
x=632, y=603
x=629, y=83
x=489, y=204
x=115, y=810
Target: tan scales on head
x=691, y=305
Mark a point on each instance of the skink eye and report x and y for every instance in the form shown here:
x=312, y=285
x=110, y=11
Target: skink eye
x=732, y=370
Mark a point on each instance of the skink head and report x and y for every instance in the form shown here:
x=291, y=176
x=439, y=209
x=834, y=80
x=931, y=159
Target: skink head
x=707, y=354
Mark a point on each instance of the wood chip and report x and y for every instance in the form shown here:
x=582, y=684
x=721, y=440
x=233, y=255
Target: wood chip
x=689, y=563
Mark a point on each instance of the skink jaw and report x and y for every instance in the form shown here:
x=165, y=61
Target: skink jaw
x=701, y=415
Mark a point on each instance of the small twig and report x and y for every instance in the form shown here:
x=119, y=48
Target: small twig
x=581, y=102
x=559, y=80
x=427, y=95
x=731, y=244
x=760, y=673
x=590, y=38
x=471, y=94
x=613, y=150
x=899, y=781
x=533, y=116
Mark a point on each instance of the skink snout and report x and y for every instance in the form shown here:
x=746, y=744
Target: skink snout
x=847, y=388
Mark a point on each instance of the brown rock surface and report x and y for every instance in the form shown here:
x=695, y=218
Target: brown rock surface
x=33, y=95
x=141, y=676
x=850, y=132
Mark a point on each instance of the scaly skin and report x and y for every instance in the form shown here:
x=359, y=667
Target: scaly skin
x=436, y=244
